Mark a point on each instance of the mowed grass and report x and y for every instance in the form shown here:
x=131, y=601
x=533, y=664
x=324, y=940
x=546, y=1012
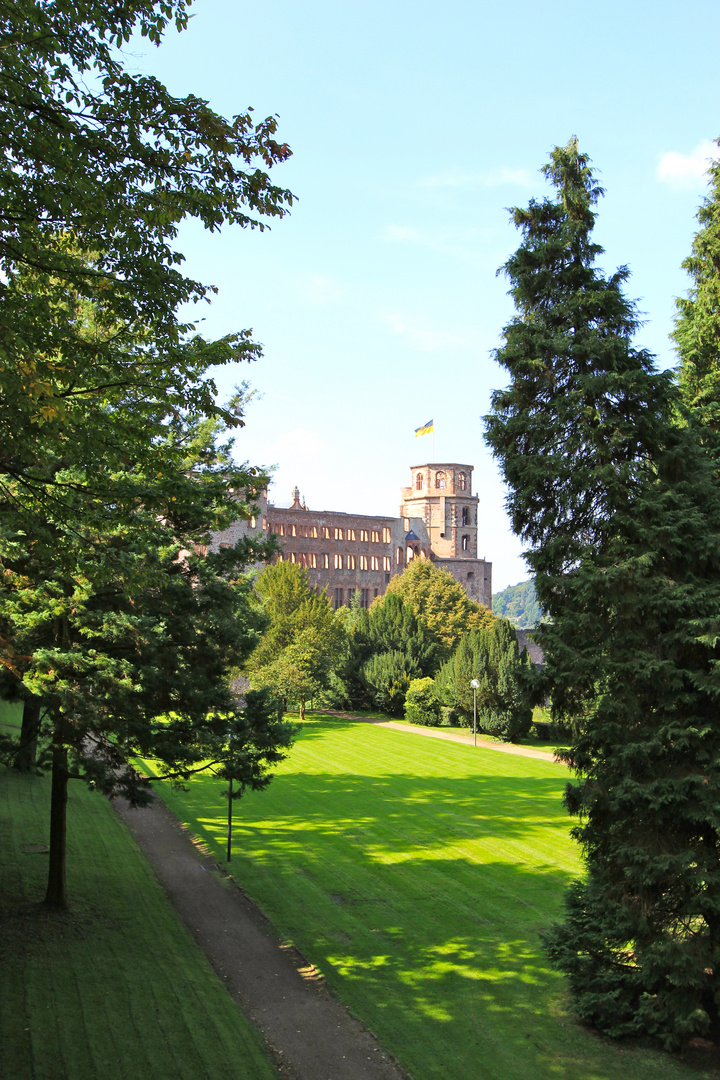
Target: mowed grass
x=115, y=989
x=416, y=874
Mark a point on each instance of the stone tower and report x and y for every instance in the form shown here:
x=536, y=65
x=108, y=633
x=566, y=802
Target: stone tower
x=441, y=494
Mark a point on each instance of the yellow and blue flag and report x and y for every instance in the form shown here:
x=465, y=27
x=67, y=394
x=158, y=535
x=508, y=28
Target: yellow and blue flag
x=424, y=429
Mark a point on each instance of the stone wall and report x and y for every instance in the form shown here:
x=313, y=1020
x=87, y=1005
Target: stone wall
x=356, y=555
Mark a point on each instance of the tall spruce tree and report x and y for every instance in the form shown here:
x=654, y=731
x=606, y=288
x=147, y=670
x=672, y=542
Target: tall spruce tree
x=619, y=508
x=697, y=324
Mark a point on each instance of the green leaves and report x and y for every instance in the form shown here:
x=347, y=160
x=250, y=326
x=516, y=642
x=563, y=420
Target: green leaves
x=115, y=464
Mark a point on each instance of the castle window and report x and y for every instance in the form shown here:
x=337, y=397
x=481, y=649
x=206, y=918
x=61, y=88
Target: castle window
x=374, y=562
x=280, y=530
x=253, y=523
x=364, y=536
x=350, y=594
x=363, y=562
x=465, y=516
x=462, y=482
x=387, y=579
x=465, y=543
x=325, y=532
x=313, y=532
x=375, y=536
x=351, y=562
x=338, y=562
x=386, y=535
x=376, y=592
x=326, y=561
x=338, y=534
x=313, y=560
x=293, y=557
x=350, y=534
x=399, y=556
x=419, y=481
x=338, y=598
x=364, y=598
x=293, y=530
x=440, y=480
x=386, y=562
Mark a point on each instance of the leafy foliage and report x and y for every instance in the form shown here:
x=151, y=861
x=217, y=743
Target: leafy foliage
x=518, y=603
x=388, y=646
x=305, y=640
x=620, y=509
x=438, y=601
x=421, y=704
x=112, y=472
x=504, y=697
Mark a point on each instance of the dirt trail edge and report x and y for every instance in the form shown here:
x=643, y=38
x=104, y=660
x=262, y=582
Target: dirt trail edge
x=310, y=1035
x=448, y=736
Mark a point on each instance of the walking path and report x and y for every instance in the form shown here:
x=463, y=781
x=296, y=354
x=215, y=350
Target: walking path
x=310, y=1035
x=449, y=736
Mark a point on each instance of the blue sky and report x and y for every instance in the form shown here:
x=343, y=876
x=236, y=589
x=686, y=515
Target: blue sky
x=414, y=127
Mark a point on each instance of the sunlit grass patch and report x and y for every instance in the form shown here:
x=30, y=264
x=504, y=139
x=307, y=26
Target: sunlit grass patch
x=416, y=874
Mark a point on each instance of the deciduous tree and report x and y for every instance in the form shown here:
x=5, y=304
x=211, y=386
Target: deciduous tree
x=305, y=639
x=439, y=601
x=110, y=474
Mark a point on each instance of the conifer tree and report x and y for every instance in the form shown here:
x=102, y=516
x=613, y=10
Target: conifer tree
x=697, y=324
x=619, y=508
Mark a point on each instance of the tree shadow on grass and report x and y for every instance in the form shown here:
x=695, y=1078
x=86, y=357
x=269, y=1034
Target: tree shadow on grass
x=421, y=898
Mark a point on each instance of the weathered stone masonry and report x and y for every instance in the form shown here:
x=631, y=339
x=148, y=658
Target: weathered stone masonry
x=357, y=554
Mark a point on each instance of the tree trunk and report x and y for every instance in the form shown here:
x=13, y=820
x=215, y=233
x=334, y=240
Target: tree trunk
x=55, y=895
x=27, y=751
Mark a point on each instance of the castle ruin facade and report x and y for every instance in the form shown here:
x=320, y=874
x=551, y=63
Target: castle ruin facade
x=356, y=555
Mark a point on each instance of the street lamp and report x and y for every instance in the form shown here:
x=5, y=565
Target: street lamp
x=475, y=684
x=230, y=800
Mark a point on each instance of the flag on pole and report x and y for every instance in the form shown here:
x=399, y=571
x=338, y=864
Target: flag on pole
x=424, y=429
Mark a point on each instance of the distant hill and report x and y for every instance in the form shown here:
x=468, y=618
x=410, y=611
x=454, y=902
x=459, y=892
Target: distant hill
x=518, y=603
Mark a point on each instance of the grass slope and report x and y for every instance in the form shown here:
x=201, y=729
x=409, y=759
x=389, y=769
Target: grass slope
x=115, y=988
x=416, y=875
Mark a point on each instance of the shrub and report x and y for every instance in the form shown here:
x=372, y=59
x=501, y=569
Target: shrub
x=421, y=704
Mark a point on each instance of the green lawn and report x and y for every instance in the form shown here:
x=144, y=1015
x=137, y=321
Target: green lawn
x=116, y=988
x=416, y=875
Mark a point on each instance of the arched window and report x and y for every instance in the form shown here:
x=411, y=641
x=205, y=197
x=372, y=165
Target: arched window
x=419, y=481
x=399, y=556
x=465, y=543
x=465, y=516
x=440, y=480
x=462, y=482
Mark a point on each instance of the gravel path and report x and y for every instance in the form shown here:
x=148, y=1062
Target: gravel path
x=449, y=736
x=310, y=1035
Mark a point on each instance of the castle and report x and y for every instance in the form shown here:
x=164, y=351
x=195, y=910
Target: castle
x=355, y=555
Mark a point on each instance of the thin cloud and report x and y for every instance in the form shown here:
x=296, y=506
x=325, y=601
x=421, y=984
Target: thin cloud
x=320, y=291
x=418, y=333
x=687, y=170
